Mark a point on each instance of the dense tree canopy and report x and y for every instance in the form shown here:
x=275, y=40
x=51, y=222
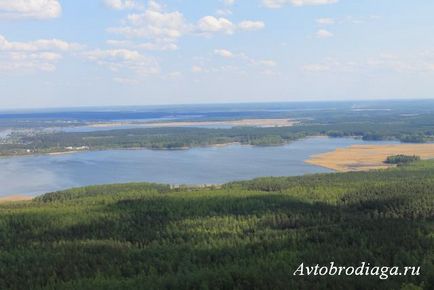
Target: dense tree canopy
x=401, y=159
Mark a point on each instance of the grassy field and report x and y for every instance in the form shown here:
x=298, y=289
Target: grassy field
x=368, y=157
x=244, y=235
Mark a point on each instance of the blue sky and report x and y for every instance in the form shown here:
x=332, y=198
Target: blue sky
x=60, y=53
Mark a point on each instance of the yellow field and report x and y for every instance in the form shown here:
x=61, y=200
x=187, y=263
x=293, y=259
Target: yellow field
x=14, y=198
x=367, y=157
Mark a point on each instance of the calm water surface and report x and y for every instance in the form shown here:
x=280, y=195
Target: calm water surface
x=212, y=165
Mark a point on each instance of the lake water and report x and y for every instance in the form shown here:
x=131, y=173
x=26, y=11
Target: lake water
x=35, y=175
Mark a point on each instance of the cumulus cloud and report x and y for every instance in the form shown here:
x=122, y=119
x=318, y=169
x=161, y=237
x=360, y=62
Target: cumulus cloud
x=269, y=63
x=209, y=24
x=280, y=3
x=124, y=61
x=41, y=44
x=42, y=54
x=153, y=24
x=38, y=9
x=197, y=69
x=322, y=33
x=229, y=2
x=223, y=53
x=159, y=45
x=123, y=4
x=240, y=62
x=251, y=25
x=161, y=29
x=35, y=61
x=325, y=21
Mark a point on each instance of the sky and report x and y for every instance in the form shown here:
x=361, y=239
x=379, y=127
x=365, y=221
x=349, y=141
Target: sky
x=71, y=53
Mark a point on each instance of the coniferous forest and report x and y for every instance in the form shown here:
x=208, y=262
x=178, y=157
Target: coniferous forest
x=242, y=235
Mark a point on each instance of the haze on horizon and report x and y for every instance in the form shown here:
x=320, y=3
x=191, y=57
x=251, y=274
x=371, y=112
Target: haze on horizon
x=58, y=53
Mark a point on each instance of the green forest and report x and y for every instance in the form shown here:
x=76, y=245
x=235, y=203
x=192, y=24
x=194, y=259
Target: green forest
x=401, y=159
x=241, y=235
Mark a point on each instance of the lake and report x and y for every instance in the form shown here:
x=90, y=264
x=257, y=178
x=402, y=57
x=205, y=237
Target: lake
x=33, y=175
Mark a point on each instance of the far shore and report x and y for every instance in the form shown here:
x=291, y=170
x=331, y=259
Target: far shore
x=368, y=157
x=218, y=145
x=55, y=153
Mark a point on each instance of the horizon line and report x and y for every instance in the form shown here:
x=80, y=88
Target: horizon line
x=84, y=107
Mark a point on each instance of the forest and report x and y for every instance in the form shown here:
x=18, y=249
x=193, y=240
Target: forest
x=242, y=235
x=401, y=159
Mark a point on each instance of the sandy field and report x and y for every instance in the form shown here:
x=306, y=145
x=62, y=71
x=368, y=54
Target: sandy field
x=367, y=157
x=264, y=123
x=13, y=198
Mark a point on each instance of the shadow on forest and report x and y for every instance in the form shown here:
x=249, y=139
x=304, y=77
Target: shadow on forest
x=145, y=220
x=166, y=234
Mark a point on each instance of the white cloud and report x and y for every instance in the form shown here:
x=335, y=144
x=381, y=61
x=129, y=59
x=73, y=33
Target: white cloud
x=161, y=28
x=23, y=61
x=325, y=21
x=223, y=53
x=269, y=63
x=251, y=25
x=123, y=4
x=197, y=69
x=162, y=46
x=39, y=9
x=158, y=45
x=124, y=61
x=41, y=44
x=210, y=24
x=322, y=33
x=242, y=63
x=153, y=24
x=42, y=54
x=280, y=3
x=229, y=2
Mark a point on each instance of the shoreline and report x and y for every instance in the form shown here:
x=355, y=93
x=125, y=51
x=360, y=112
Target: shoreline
x=217, y=145
x=57, y=153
